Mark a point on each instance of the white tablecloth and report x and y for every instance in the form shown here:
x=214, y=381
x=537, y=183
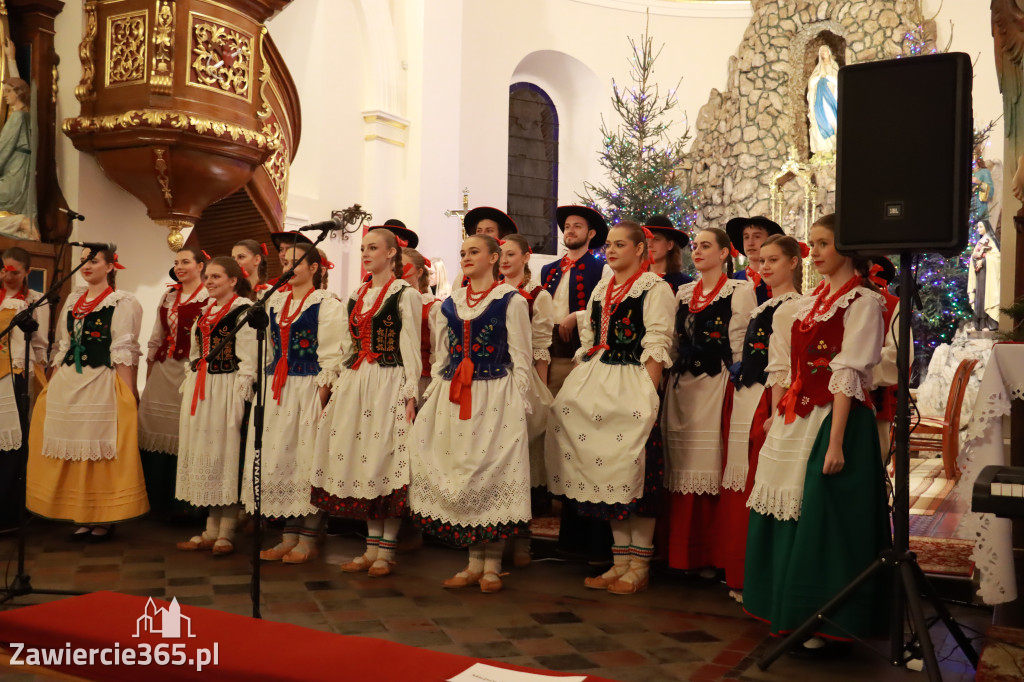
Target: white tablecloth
x=1002, y=382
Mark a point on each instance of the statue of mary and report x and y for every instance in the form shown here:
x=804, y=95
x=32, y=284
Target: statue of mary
x=822, y=103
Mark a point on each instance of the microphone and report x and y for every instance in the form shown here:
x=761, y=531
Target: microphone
x=332, y=224
x=96, y=246
x=72, y=214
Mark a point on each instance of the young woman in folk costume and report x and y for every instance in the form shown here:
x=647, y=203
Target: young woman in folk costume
x=361, y=457
x=169, y=347
x=306, y=327
x=470, y=463
x=515, y=269
x=710, y=322
x=818, y=502
x=83, y=461
x=885, y=375
x=602, y=418
x=781, y=269
x=251, y=257
x=747, y=235
x=666, y=246
x=214, y=402
x=15, y=296
x=416, y=271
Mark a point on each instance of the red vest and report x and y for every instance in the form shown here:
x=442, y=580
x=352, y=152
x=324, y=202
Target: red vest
x=188, y=313
x=885, y=396
x=425, y=339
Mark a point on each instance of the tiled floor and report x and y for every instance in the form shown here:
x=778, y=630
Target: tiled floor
x=681, y=629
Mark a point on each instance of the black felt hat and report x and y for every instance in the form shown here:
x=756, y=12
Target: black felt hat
x=888, y=272
x=505, y=224
x=660, y=224
x=398, y=228
x=595, y=221
x=735, y=228
x=283, y=239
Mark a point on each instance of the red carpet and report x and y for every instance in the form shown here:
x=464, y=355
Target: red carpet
x=247, y=649
x=944, y=556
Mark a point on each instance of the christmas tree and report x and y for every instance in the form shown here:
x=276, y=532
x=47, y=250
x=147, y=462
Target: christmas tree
x=639, y=154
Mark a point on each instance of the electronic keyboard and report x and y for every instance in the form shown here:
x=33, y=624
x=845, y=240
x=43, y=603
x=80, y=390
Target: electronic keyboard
x=999, y=490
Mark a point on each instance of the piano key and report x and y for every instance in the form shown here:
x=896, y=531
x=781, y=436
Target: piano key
x=1017, y=489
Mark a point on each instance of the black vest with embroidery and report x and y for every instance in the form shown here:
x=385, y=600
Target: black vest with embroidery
x=625, y=331
x=95, y=341
x=755, y=347
x=226, y=361
x=385, y=330
x=303, y=341
x=704, y=338
x=488, y=339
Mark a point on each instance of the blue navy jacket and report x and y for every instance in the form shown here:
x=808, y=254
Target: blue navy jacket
x=586, y=273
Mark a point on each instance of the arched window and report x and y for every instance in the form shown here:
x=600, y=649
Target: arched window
x=533, y=165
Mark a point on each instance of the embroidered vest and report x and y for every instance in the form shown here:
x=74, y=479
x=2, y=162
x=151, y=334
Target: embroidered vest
x=188, y=313
x=489, y=351
x=625, y=331
x=704, y=338
x=385, y=329
x=425, y=339
x=885, y=396
x=755, y=347
x=585, y=275
x=226, y=361
x=302, y=342
x=95, y=340
x=810, y=366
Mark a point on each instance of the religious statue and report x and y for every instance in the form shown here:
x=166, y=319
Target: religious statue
x=981, y=196
x=823, y=103
x=983, y=280
x=17, y=189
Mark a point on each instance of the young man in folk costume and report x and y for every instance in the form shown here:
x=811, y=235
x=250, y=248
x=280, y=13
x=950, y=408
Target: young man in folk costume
x=747, y=235
x=570, y=281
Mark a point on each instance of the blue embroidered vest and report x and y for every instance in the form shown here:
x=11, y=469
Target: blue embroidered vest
x=302, y=342
x=754, y=360
x=385, y=330
x=585, y=274
x=704, y=338
x=625, y=331
x=488, y=337
x=226, y=361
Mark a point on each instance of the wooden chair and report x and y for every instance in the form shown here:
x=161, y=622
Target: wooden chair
x=932, y=434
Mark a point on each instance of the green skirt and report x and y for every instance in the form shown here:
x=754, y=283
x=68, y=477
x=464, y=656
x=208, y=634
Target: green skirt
x=794, y=567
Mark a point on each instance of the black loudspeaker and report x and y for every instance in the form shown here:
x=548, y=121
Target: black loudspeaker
x=903, y=157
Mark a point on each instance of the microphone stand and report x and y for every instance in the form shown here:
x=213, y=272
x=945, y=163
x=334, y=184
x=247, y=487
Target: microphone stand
x=21, y=585
x=256, y=317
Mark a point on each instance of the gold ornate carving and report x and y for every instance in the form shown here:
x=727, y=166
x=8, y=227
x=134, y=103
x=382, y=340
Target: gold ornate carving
x=84, y=90
x=163, y=179
x=162, y=77
x=161, y=118
x=55, y=77
x=279, y=163
x=3, y=8
x=175, y=239
x=223, y=57
x=126, y=48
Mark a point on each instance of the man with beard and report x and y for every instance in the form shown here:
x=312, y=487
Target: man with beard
x=570, y=282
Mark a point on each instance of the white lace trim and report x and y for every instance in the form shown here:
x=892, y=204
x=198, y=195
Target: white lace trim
x=327, y=377
x=774, y=302
x=120, y=357
x=735, y=476
x=783, y=504
x=686, y=291
x=409, y=391
x=11, y=302
x=163, y=443
x=695, y=482
x=79, y=450
x=645, y=282
x=542, y=354
x=841, y=303
x=467, y=313
x=780, y=378
x=316, y=296
x=244, y=387
x=502, y=502
x=10, y=439
x=848, y=382
x=660, y=354
x=369, y=298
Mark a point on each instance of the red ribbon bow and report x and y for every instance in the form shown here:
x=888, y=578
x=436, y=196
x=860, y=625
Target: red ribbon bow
x=460, y=390
x=402, y=242
x=407, y=270
x=117, y=266
x=875, y=279
x=733, y=252
x=205, y=255
x=10, y=268
x=501, y=242
x=805, y=250
x=245, y=273
x=263, y=248
x=426, y=262
x=326, y=264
